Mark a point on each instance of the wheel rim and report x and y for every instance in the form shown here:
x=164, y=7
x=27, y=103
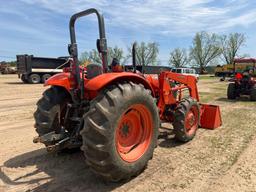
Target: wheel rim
x=191, y=120
x=134, y=133
x=46, y=77
x=35, y=79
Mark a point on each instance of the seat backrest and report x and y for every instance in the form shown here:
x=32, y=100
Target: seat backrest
x=94, y=70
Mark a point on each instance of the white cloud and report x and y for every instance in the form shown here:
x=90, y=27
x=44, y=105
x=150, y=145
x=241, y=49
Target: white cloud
x=182, y=17
x=41, y=25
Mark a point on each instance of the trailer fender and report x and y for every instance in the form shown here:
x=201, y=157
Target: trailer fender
x=60, y=79
x=98, y=83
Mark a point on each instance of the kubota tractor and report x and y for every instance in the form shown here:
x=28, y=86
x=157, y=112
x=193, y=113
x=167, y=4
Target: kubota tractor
x=114, y=115
x=243, y=83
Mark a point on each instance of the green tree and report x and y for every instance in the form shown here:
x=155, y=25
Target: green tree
x=117, y=53
x=205, y=49
x=230, y=45
x=146, y=53
x=179, y=58
x=93, y=56
x=84, y=58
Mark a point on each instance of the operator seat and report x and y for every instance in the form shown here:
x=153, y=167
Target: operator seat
x=94, y=70
x=115, y=66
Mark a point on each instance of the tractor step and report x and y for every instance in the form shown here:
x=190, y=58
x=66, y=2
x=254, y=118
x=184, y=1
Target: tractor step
x=66, y=143
x=56, y=142
x=59, y=145
x=49, y=138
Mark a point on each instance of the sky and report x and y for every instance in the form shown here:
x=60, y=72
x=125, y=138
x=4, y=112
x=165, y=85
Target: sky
x=40, y=27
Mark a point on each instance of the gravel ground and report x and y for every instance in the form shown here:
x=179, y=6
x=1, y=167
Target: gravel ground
x=216, y=160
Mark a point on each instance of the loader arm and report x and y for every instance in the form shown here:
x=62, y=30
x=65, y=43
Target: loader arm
x=189, y=81
x=210, y=116
x=166, y=92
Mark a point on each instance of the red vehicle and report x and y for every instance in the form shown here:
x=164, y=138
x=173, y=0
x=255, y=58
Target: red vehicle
x=243, y=83
x=114, y=115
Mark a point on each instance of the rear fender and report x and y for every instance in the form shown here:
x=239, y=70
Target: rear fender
x=93, y=86
x=60, y=79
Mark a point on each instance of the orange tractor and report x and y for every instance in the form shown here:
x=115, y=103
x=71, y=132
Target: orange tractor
x=243, y=83
x=115, y=115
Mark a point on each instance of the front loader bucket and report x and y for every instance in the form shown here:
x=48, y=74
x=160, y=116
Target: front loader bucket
x=210, y=116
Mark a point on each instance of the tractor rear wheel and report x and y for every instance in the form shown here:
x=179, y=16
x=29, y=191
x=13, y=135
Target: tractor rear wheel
x=253, y=94
x=51, y=109
x=120, y=131
x=186, y=119
x=231, y=91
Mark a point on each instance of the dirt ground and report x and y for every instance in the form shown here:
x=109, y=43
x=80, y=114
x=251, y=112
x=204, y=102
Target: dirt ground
x=216, y=160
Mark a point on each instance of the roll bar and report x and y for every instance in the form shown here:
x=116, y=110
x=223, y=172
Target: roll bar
x=101, y=42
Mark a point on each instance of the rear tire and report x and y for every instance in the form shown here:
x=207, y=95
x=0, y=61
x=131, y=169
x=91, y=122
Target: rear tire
x=231, y=92
x=50, y=112
x=186, y=119
x=103, y=131
x=34, y=78
x=45, y=77
x=253, y=94
x=24, y=79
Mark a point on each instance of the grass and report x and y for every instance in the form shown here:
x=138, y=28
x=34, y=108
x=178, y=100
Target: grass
x=206, y=97
x=208, y=77
x=238, y=123
x=237, y=133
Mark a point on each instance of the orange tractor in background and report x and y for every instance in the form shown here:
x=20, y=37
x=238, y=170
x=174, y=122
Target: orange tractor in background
x=244, y=82
x=114, y=115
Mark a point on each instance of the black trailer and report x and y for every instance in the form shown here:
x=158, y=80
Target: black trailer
x=38, y=69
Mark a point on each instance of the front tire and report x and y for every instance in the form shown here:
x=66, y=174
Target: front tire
x=120, y=131
x=253, y=94
x=24, y=79
x=231, y=92
x=186, y=119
